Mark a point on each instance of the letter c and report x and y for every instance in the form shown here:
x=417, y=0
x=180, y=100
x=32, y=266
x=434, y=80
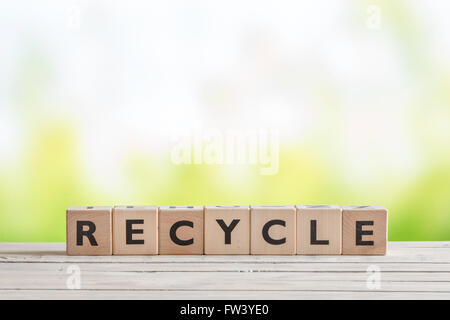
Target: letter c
x=265, y=232
x=173, y=232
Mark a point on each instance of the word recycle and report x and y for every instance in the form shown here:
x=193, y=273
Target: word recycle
x=222, y=230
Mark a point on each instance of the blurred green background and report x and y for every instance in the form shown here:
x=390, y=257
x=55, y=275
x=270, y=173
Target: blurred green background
x=92, y=94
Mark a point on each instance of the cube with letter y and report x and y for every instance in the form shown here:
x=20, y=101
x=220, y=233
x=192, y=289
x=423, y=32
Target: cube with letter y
x=89, y=231
x=227, y=230
x=273, y=230
x=319, y=229
x=364, y=230
x=135, y=230
x=181, y=230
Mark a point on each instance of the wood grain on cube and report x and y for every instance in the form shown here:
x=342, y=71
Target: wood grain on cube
x=181, y=230
x=89, y=231
x=135, y=230
x=227, y=230
x=273, y=230
x=364, y=230
x=319, y=229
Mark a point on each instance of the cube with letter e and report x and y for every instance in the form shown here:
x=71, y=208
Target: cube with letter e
x=89, y=231
x=364, y=230
x=135, y=230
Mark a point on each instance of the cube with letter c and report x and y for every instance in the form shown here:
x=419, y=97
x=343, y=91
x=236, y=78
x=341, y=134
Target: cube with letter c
x=273, y=230
x=181, y=230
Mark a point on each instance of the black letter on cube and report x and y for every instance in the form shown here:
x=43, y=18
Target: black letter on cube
x=360, y=232
x=88, y=233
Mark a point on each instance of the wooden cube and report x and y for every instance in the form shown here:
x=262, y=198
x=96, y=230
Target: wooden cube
x=227, y=230
x=319, y=229
x=364, y=230
x=273, y=230
x=89, y=231
x=181, y=230
x=135, y=230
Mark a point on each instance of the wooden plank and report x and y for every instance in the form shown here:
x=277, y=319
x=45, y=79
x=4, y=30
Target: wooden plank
x=211, y=295
x=37, y=247
x=258, y=281
x=55, y=253
x=436, y=258
x=231, y=267
x=59, y=273
x=410, y=271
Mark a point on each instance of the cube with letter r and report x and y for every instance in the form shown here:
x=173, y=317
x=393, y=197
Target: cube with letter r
x=89, y=231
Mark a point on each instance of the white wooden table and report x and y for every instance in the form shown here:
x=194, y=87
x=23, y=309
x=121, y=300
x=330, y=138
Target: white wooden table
x=411, y=270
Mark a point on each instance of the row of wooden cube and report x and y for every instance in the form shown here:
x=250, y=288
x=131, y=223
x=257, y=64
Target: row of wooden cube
x=261, y=230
